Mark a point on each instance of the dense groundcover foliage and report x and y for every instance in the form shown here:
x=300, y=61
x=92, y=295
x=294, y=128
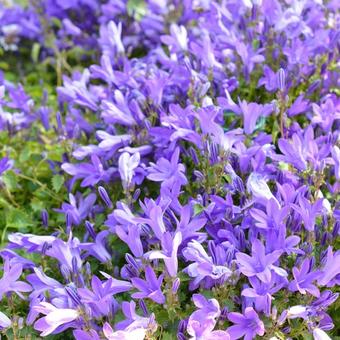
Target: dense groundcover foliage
x=170, y=169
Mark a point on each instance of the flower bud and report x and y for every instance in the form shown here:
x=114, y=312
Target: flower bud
x=281, y=79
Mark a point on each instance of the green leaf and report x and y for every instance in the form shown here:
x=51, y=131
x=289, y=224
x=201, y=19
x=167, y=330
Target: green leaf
x=35, y=52
x=136, y=7
x=168, y=336
x=37, y=205
x=10, y=180
x=57, y=182
x=197, y=209
x=18, y=219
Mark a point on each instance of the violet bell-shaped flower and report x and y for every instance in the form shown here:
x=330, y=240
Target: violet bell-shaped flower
x=260, y=264
x=168, y=253
x=9, y=281
x=247, y=325
x=54, y=317
x=150, y=287
x=202, y=321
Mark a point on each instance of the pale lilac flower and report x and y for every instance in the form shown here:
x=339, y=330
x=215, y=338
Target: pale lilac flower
x=202, y=321
x=111, y=143
x=319, y=334
x=133, y=320
x=257, y=185
x=54, y=318
x=204, y=265
x=111, y=38
x=126, y=334
x=178, y=38
x=5, y=322
x=336, y=159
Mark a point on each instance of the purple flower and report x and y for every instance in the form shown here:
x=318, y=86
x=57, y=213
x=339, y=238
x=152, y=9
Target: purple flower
x=269, y=79
x=299, y=106
x=98, y=248
x=67, y=253
x=5, y=164
x=77, y=212
x=248, y=56
x=261, y=293
x=100, y=298
x=150, y=287
x=178, y=40
x=308, y=211
x=303, y=279
x=130, y=234
x=91, y=173
x=325, y=115
x=251, y=112
x=204, y=265
x=42, y=283
x=247, y=324
x=9, y=283
x=168, y=253
x=170, y=173
x=260, y=264
x=135, y=321
x=293, y=152
x=54, y=318
x=331, y=268
x=274, y=217
x=202, y=321
x=82, y=335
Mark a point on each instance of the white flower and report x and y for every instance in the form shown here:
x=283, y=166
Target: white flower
x=319, y=334
x=127, y=165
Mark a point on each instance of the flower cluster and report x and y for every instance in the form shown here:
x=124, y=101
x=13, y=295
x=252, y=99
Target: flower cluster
x=202, y=170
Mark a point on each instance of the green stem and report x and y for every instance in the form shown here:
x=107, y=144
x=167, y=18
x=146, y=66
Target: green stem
x=42, y=185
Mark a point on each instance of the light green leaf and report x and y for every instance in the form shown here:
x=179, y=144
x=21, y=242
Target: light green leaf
x=57, y=182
